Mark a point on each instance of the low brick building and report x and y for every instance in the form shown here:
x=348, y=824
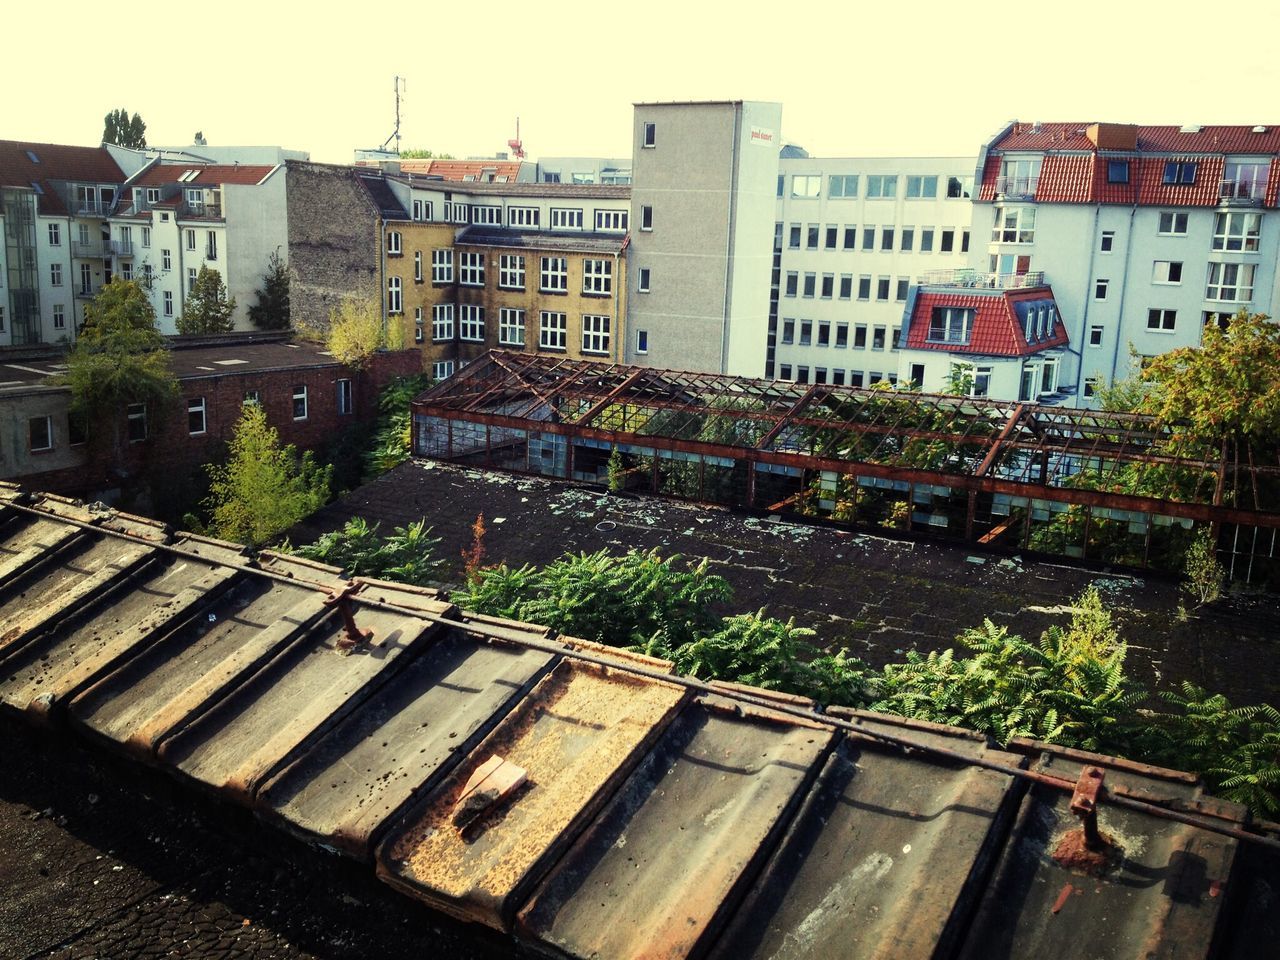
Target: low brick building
x=309, y=397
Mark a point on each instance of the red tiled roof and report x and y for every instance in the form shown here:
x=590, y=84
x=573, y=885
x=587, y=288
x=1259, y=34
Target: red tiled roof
x=996, y=329
x=57, y=162
x=207, y=175
x=458, y=169
x=1074, y=169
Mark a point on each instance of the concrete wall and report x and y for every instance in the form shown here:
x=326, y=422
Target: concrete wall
x=257, y=226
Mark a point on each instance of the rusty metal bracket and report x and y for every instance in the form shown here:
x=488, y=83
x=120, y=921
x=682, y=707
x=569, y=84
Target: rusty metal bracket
x=1084, y=804
x=341, y=597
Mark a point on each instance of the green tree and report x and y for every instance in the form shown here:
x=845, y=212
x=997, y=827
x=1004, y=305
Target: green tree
x=418, y=153
x=263, y=489
x=1204, y=574
x=393, y=439
x=356, y=331
x=271, y=312
x=118, y=359
x=121, y=129
x=207, y=308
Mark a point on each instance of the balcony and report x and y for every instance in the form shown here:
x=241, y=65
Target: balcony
x=122, y=248
x=87, y=291
x=972, y=279
x=93, y=249
x=1017, y=188
x=90, y=208
x=1242, y=193
x=200, y=211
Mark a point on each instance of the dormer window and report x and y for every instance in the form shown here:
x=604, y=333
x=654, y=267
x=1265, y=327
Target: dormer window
x=1179, y=172
x=950, y=325
x=1117, y=171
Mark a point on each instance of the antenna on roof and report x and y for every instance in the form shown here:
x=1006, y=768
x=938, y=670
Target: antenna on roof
x=400, y=83
x=517, y=147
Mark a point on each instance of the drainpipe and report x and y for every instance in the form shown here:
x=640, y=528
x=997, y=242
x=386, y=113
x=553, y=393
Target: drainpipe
x=1084, y=314
x=619, y=289
x=728, y=250
x=1124, y=283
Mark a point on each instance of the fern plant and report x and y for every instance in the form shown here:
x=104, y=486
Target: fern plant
x=405, y=556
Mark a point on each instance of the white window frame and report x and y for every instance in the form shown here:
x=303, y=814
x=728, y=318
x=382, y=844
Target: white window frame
x=166, y=260
x=511, y=326
x=597, y=277
x=300, y=394
x=524, y=217
x=191, y=238
x=1097, y=333
x=611, y=221
x=417, y=266
x=642, y=341
x=553, y=330
x=486, y=215
x=953, y=325
x=921, y=187
x=442, y=369
x=511, y=271
x=806, y=185
x=1240, y=289
x=1163, y=270
x=1160, y=320
x=197, y=405
x=395, y=243
x=596, y=333
x=442, y=322
x=842, y=186
x=553, y=275
x=644, y=278
x=1101, y=288
x=55, y=274
x=146, y=238
x=419, y=335
x=882, y=186
x=55, y=234
x=395, y=296
x=442, y=266
x=1014, y=225
x=59, y=317
x=648, y=135
x=168, y=303
x=48, y=429
x=136, y=413
x=1237, y=231
x=471, y=322
x=1171, y=223
x=566, y=218
x=471, y=268
x=346, y=398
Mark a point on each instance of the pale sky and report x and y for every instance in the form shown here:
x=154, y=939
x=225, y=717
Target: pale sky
x=854, y=78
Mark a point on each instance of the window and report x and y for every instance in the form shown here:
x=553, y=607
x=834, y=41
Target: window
x=168, y=303
x=442, y=266
x=511, y=327
x=802, y=374
x=40, y=433
x=393, y=243
x=196, y=423
x=153, y=195
x=882, y=288
x=948, y=240
x=1230, y=281
x=900, y=294
x=846, y=286
x=1108, y=241
x=566, y=219
x=471, y=269
x=419, y=335
x=646, y=217
x=810, y=284
x=191, y=279
x=1166, y=271
x=523, y=217
x=882, y=187
x=1091, y=385
x=828, y=285
x=146, y=237
x=59, y=317
x=211, y=246
x=1014, y=225
x=959, y=188
x=877, y=338
x=1236, y=231
x=55, y=234
x=649, y=135
x=886, y=238
x=137, y=417
x=855, y=378
x=1173, y=224
x=908, y=241
x=553, y=275
x=850, y=238
x=788, y=331
x=1100, y=289
x=824, y=333
x=843, y=186
x=460, y=212
x=346, y=398
x=595, y=334
x=191, y=239
x=964, y=241
x=868, y=238
x=793, y=280
x=642, y=283
x=1179, y=172
x=922, y=188
x=806, y=333
x=1117, y=171
x=832, y=237
x=784, y=372
x=553, y=330
x=487, y=215
x=950, y=325
x=811, y=236
x=395, y=299
x=1095, y=335
x=864, y=288
x=1161, y=321
x=597, y=277
x=55, y=274
x=442, y=369
x=926, y=239
x=417, y=266
x=794, y=242
x=837, y=377
x=1019, y=177
x=806, y=185
x=422, y=210
x=471, y=322
x=166, y=260
x=611, y=220
x=442, y=321
x=511, y=271
x=819, y=374
x=300, y=402
x=642, y=341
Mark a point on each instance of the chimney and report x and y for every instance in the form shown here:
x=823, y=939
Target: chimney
x=1113, y=136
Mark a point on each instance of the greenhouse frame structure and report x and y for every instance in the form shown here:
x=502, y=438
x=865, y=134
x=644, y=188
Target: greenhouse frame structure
x=1089, y=484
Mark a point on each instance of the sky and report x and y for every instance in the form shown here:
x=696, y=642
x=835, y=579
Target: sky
x=854, y=78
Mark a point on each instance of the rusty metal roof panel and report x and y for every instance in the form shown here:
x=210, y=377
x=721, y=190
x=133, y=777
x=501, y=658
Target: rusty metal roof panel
x=887, y=857
x=1156, y=893
x=102, y=629
x=367, y=769
x=577, y=734
x=157, y=693
x=26, y=541
x=665, y=862
x=308, y=687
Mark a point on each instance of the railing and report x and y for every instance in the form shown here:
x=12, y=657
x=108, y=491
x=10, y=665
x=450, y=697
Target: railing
x=122, y=248
x=210, y=211
x=90, y=208
x=1017, y=187
x=91, y=250
x=87, y=291
x=990, y=281
x=1249, y=192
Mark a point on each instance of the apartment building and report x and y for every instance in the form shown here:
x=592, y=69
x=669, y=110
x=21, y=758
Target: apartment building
x=703, y=198
x=584, y=170
x=1135, y=236
x=851, y=238
x=173, y=219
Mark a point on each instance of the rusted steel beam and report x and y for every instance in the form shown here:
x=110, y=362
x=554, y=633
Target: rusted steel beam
x=990, y=458
x=613, y=394
x=783, y=421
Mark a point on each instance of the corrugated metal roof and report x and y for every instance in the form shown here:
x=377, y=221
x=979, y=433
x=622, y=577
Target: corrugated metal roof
x=650, y=822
